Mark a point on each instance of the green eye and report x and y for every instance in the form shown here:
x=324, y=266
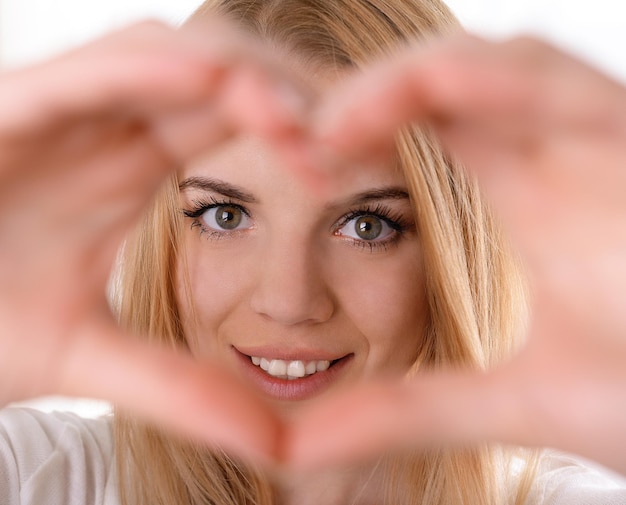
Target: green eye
x=226, y=217
x=367, y=227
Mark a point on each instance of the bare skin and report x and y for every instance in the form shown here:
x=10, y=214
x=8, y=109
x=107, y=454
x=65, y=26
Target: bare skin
x=545, y=135
x=84, y=141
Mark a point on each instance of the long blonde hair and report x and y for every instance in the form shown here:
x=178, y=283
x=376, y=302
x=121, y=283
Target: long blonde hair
x=473, y=283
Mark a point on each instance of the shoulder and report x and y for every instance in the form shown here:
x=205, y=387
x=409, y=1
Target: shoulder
x=55, y=458
x=568, y=480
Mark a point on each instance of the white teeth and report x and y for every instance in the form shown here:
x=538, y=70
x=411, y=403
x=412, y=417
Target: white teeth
x=295, y=369
x=265, y=364
x=322, y=365
x=277, y=367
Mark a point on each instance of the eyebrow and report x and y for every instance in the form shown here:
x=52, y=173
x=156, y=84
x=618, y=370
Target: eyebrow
x=217, y=186
x=390, y=193
x=237, y=193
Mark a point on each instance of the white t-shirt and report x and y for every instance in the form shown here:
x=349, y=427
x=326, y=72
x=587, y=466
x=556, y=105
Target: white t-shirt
x=566, y=480
x=56, y=459
x=63, y=459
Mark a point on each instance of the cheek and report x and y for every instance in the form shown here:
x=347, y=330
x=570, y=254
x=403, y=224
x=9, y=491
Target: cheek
x=387, y=301
x=212, y=289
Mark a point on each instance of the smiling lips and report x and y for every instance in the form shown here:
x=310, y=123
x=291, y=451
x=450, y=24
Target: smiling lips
x=290, y=370
x=291, y=379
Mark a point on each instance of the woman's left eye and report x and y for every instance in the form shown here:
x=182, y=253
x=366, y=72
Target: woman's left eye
x=226, y=218
x=367, y=227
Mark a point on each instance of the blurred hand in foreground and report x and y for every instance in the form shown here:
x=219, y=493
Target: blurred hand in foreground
x=85, y=140
x=546, y=136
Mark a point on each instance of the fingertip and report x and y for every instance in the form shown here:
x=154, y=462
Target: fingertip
x=197, y=401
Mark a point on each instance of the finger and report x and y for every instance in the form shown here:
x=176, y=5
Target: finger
x=248, y=100
x=442, y=82
x=201, y=401
x=378, y=418
x=561, y=391
x=511, y=89
x=148, y=67
x=78, y=159
x=111, y=71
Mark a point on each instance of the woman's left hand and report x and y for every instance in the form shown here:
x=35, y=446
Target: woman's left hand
x=546, y=136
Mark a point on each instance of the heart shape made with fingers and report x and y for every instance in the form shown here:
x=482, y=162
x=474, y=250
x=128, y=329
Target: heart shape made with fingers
x=86, y=140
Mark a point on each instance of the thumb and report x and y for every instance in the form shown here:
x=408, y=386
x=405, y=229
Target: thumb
x=200, y=400
x=443, y=408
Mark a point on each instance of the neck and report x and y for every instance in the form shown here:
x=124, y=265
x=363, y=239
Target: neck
x=361, y=485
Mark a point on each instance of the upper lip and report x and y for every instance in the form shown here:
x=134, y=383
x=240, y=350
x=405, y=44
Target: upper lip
x=273, y=352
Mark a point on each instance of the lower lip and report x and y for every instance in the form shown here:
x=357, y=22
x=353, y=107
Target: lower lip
x=295, y=389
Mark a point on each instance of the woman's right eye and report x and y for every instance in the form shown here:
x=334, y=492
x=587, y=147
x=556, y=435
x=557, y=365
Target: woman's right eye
x=226, y=218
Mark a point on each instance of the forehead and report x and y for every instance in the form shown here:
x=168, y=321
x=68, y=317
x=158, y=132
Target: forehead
x=255, y=165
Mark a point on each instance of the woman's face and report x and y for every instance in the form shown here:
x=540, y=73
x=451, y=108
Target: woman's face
x=299, y=292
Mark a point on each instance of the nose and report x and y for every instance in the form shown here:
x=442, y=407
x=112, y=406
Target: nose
x=291, y=286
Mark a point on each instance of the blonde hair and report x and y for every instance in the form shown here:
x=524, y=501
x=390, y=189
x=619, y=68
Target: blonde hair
x=473, y=283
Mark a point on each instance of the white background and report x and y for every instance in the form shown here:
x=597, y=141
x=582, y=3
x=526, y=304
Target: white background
x=594, y=29
x=34, y=29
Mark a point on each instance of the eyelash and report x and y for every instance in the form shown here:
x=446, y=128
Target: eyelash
x=202, y=206
x=395, y=220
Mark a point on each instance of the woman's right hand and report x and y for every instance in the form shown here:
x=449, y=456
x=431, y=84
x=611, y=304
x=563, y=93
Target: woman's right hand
x=85, y=140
